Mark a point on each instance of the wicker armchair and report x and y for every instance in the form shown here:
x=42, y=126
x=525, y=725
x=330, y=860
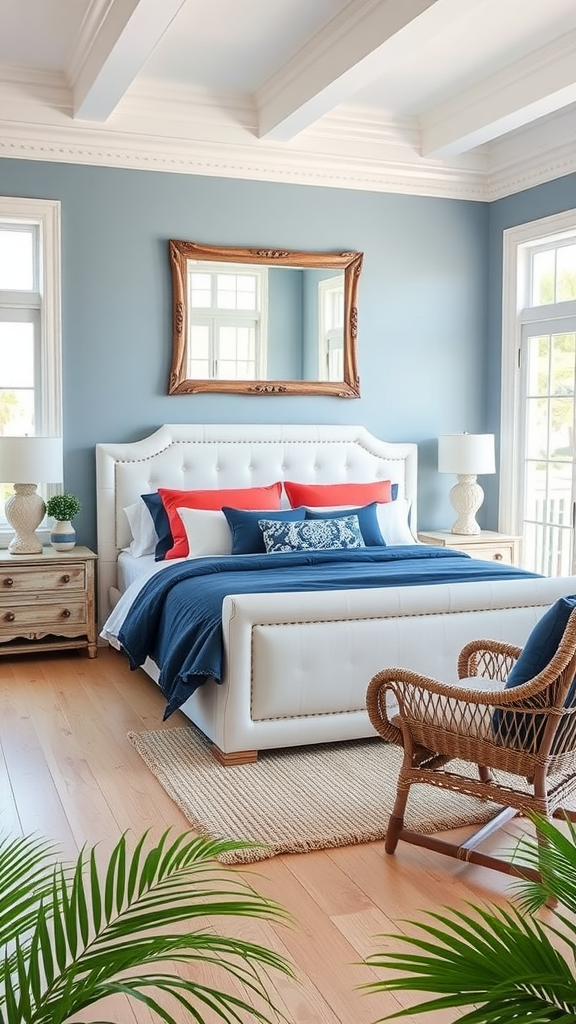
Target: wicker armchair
x=513, y=747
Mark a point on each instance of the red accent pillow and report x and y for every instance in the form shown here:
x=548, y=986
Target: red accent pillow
x=239, y=497
x=338, y=494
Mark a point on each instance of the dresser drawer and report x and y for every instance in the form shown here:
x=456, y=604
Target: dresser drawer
x=493, y=552
x=39, y=579
x=53, y=616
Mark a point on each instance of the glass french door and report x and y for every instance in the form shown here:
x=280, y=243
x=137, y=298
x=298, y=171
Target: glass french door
x=548, y=471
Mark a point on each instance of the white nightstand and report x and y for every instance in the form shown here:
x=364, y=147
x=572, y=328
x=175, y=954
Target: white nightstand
x=47, y=601
x=497, y=547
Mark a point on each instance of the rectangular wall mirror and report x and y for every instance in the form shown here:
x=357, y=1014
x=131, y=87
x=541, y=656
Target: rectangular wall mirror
x=263, y=321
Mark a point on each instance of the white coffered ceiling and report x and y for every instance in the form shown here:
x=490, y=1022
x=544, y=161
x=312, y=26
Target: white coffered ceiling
x=466, y=98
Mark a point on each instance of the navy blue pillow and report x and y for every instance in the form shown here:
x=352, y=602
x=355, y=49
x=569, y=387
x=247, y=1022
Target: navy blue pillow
x=247, y=536
x=367, y=519
x=538, y=650
x=394, y=492
x=161, y=522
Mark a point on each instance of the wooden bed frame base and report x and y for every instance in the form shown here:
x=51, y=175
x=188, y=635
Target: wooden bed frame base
x=235, y=757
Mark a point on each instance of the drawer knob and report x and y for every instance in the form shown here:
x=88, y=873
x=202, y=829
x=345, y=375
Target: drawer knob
x=65, y=578
x=8, y=581
x=65, y=613
x=9, y=617
x=498, y=556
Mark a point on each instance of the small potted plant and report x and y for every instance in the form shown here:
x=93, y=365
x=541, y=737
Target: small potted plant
x=63, y=508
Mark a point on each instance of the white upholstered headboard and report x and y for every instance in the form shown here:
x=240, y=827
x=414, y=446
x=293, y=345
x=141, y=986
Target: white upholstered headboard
x=189, y=456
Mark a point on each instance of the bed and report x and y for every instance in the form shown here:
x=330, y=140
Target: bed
x=295, y=665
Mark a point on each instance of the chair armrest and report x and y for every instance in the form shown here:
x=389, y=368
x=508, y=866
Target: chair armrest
x=394, y=693
x=492, y=659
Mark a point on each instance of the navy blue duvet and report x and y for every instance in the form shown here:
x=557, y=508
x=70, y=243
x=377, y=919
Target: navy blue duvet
x=176, y=619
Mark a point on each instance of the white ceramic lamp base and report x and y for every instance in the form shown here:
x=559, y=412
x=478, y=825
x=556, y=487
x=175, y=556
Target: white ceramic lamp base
x=24, y=512
x=466, y=497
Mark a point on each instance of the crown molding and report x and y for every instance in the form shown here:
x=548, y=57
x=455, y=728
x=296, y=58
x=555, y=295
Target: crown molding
x=179, y=130
x=109, y=149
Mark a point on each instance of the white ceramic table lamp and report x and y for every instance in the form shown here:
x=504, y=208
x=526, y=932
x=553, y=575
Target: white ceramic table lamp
x=30, y=460
x=468, y=456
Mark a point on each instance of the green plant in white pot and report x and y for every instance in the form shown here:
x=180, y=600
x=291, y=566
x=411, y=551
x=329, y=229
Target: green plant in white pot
x=141, y=923
x=63, y=508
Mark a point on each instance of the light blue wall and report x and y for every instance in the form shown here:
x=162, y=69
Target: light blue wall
x=422, y=307
x=532, y=204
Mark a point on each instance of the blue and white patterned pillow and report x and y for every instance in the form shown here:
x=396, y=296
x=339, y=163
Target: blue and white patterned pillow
x=312, y=534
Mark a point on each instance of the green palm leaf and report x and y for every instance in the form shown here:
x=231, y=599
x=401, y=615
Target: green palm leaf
x=26, y=875
x=502, y=964
x=97, y=933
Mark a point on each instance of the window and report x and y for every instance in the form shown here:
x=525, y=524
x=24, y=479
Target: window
x=538, y=467
x=30, y=343
x=227, y=328
x=331, y=328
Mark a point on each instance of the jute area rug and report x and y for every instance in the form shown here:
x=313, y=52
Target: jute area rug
x=296, y=799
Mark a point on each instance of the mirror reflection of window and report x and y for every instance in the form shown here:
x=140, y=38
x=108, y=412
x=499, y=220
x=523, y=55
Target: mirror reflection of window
x=331, y=328
x=227, y=325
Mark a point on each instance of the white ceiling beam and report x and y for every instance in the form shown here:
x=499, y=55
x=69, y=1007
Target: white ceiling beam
x=532, y=87
x=125, y=37
x=344, y=57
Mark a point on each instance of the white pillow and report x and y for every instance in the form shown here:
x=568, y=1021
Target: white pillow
x=207, y=531
x=393, y=520
x=144, y=536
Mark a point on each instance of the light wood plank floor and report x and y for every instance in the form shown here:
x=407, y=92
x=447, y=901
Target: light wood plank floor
x=68, y=772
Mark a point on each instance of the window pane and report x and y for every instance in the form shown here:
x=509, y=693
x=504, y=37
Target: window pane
x=226, y=291
x=16, y=412
x=543, y=289
x=16, y=260
x=200, y=293
x=226, y=343
x=538, y=368
x=227, y=370
x=562, y=368
x=199, y=369
x=200, y=341
x=536, y=428
x=16, y=355
x=566, y=273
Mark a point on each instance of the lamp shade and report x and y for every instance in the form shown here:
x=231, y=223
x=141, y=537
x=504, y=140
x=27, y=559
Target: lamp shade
x=466, y=454
x=31, y=460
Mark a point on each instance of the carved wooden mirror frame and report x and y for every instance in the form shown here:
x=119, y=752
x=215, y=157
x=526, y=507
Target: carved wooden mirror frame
x=348, y=262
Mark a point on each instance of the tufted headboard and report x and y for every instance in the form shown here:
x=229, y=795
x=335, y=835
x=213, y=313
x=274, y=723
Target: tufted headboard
x=192, y=456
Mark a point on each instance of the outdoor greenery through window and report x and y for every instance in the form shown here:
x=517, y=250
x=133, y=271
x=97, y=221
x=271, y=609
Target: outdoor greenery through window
x=30, y=358
x=553, y=274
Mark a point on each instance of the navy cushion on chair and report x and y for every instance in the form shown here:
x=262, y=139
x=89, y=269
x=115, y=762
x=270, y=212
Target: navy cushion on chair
x=543, y=642
x=538, y=651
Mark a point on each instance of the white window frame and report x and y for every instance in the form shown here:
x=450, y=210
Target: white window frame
x=518, y=245
x=45, y=214
x=332, y=339
x=239, y=318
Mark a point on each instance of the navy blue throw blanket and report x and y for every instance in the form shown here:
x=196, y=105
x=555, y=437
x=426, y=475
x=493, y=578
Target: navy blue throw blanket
x=176, y=619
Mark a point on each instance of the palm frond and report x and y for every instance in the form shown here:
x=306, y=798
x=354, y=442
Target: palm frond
x=493, y=958
x=95, y=928
x=26, y=871
x=555, y=858
x=499, y=963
